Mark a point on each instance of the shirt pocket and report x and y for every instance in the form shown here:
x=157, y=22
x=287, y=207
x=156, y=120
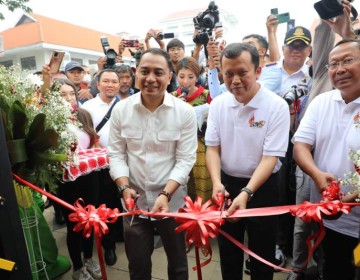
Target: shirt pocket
x=134, y=139
x=167, y=141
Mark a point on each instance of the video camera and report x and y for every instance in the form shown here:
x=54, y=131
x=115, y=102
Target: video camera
x=109, y=53
x=162, y=36
x=205, y=22
x=294, y=94
x=328, y=9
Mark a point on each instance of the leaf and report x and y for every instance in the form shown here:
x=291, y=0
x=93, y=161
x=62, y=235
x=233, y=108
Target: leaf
x=7, y=131
x=46, y=140
x=47, y=157
x=36, y=128
x=19, y=120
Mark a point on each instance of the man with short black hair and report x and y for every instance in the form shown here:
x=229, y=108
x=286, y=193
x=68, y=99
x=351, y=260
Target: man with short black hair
x=75, y=73
x=99, y=108
x=246, y=134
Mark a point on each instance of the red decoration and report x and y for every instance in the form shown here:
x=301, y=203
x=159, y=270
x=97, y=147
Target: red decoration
x=89, y=160
x=200, y=221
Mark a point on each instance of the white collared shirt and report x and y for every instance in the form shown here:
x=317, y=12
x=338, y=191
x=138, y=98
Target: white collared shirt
x=328, y=126
x=246, y=133
x=98, y=110
x=151, y=148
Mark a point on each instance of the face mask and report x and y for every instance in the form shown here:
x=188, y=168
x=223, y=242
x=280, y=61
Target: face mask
x=87, y=78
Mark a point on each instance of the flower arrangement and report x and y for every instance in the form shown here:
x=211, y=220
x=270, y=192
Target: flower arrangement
x=353, y=178
x=35, y=125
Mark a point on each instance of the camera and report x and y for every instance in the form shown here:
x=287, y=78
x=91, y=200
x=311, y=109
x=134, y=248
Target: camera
x=109, y=53
x=294, y=94
x=328, y=9
x=130, y=43
x=136, y=55
x=162, y=36
x=206, y=21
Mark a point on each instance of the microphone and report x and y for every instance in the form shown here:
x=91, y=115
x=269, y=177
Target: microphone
x=184, y=93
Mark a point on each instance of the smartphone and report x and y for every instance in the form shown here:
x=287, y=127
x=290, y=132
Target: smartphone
x=130, y=43
x=282, y=18
x=274, y=11
x=169, y=35
x=290, y=24
x=55, y=61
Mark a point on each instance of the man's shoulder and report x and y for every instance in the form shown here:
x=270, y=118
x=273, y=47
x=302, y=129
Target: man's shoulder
x=271, y=69
x=90, y=104
x=273, y=64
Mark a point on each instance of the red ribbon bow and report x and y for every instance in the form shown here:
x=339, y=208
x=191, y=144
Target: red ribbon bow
x=89, y=218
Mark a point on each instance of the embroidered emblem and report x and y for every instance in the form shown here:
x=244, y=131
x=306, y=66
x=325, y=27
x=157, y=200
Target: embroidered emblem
x=357, y=119
x=253, y=123
x=299, y=32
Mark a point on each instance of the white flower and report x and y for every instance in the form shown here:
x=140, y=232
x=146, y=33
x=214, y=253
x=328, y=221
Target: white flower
x=33, y=80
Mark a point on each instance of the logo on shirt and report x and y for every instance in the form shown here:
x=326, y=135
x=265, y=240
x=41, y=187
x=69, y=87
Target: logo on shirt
x=357, y=119
x=253, y=123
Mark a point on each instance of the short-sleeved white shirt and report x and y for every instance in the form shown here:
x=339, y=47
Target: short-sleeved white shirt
x=98, y=110
x=246, y=133
x=329, y=126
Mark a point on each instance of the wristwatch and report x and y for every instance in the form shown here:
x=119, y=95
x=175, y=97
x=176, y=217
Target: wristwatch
x=249, y=192
x=121, y=189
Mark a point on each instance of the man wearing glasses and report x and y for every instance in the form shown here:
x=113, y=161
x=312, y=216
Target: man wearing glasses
x=290, y=79
x=328, y=130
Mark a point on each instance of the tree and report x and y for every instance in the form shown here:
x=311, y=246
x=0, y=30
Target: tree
x=12, y=5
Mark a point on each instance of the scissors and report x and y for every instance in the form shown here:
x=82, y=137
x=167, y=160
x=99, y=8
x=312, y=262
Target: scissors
x=134, y=208
x=222, y=200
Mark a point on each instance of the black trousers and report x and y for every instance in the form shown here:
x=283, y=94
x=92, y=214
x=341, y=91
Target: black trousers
x=261, y=231
x=87, y=188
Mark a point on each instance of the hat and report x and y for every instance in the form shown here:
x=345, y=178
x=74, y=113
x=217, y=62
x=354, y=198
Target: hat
x=72, y=65
x=298, y=33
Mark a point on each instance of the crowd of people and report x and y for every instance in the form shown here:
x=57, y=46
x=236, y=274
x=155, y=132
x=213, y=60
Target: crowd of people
x=266, y=126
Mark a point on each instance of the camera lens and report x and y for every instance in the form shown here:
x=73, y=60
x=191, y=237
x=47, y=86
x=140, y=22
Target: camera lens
x=208, y=21
x=111, y=54
x=289, y=97
x=160, y=36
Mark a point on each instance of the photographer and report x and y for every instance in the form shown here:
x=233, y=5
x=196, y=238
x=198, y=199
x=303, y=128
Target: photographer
x=154, y=33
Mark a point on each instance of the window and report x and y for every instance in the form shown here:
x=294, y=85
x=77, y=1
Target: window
x=7, y=63
x=77, y=60
x=92, y=61
x=28, y=63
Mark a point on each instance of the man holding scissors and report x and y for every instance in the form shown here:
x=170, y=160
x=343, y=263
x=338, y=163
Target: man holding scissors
x=152, y=149
x=247, y=132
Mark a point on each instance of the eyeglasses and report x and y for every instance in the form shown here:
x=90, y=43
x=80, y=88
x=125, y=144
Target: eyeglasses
x=345, y=63
x=297, y=47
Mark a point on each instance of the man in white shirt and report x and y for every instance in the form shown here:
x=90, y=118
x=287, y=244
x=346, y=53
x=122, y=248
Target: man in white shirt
x=328, y=130
x=247, y=132
x=152, y=149
x=98, y=107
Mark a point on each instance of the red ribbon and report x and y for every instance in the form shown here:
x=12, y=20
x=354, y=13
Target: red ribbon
x=200, y=221
x=90, y=218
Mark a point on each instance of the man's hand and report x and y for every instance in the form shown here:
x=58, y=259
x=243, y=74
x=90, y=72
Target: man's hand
x=218, y=189
x=322, y=180
x=85, y=94
x=238, y=203
x=272, y=24
x=101, y=62
x=121, y=47
x=161, y=205
x=342, y=23
x=129, y=194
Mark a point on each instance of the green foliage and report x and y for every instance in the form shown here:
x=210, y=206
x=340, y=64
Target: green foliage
x=12, y=5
